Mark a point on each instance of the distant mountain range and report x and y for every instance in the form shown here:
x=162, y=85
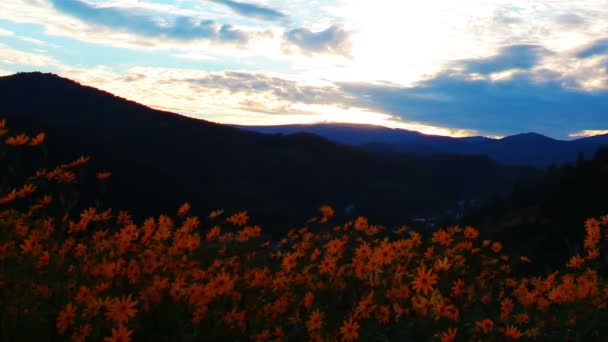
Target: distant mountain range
x=160, y=159
x=522, y=149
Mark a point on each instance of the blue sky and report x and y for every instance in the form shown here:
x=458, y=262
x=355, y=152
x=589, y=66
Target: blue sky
x=456, y=68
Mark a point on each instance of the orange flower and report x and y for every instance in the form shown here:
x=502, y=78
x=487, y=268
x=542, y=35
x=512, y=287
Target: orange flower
x=512, y=332
x=424, y=281
x=575, y=262
x=383, y=315
x=66, y=177
x=361, y=223
x=383, y=254
x=216, y=214
x=442, y=264
x=213, y=233
x=278, y=333
x=66, y=318
x=289, y=261
x=120, y=310
x=26, y=190
x=470, y=233
x=457, y=288
x=506, y=307
x=46, y=200
x=9, y=197
x=121, y=334
x=43, y=260
x=334, y=246
x=18, y=140
x=328, y=265
x=103, y=175
x=486, y=325
x=349, y=330
x=184, y=209
x=37, y=140
x=83, y=332
x=238, y=219
x=327, y=212
x=222, y=283
x=496, y=247
x=3, y=129
x=364, y=251
x=442, y=237
x=592, y=228
x=365, y=307
x=308, y=300
x=315, y=321
x=263, y=336
x=522, y=318
x=448, y=336
x=78, y=162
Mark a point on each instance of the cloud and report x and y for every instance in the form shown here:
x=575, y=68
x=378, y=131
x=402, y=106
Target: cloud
x=598, y=47
x=236, y=97
x=279, y=89
x=17, y=58
x=570, y=20
x=5, y=33
x=521, y=56
x=588, y=133
x=149, y=23
x=333, y=40
x=253, y=11
x=37, y=41
x=519, y=104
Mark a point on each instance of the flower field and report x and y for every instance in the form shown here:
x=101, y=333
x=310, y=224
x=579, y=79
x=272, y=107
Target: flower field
x=70, y=271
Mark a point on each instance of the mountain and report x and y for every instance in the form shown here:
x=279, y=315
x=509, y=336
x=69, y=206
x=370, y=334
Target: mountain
x=160, y=159
x=522, y=149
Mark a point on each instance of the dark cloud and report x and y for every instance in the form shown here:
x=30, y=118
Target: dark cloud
x=287, y=90
x=519, y=104
x=253, y=11
x=570, y=20
x=151, y=24
x=333, y=40
x=523, y=56
x=599, y=47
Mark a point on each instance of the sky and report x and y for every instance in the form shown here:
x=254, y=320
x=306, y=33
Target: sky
x=458, y=68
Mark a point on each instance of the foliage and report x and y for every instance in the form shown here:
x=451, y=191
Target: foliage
x=547, y=211
x=95, y=274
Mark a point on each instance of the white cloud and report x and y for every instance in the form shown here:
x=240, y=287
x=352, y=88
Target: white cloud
x=13, y=57
x=194, y=56
x=37, y=41
x=589, y=133
x=5, y=33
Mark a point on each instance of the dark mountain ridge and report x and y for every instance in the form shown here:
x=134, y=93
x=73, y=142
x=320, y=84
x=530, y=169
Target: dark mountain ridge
x=531, y=149
x=160, y=159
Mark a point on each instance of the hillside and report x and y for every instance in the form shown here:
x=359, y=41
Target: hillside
x=530, y=149
x=543, y=211
x=160, y=159
x=94, y=274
